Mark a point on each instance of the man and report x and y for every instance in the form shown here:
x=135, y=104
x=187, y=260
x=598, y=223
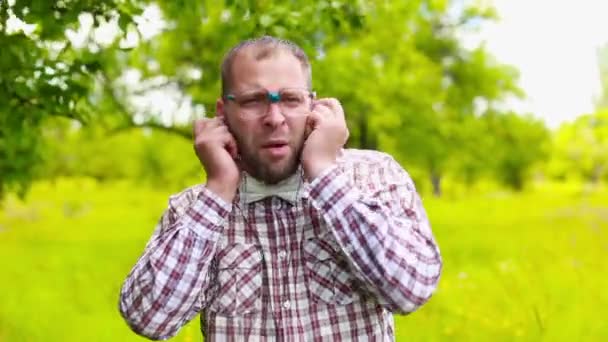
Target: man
x=292, y=237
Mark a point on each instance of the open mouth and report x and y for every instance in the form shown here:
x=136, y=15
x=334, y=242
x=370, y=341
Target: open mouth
x=276, y=149
x=275, y=145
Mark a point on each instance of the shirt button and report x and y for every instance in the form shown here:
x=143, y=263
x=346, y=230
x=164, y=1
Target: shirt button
x=286, y=304
x=282, y=254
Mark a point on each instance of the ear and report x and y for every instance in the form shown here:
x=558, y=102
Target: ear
x=219, y=108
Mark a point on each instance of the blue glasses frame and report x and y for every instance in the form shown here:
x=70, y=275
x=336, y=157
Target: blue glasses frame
x=271, y=96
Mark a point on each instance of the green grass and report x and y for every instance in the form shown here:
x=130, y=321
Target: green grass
x=516, y=267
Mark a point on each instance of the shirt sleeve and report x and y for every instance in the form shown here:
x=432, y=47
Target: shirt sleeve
x=166, y=287
x=384, y=233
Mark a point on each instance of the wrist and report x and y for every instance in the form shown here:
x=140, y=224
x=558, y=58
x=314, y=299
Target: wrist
x=314, y=169
x=222, y=189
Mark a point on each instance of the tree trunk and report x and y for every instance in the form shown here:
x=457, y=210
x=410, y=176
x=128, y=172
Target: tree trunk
x=436, y=181
x=367, y=140
x=597, y=174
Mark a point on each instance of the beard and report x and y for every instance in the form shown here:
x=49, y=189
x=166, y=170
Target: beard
x=270, y=173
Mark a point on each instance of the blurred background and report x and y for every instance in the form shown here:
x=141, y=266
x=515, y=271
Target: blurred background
x=498, y=109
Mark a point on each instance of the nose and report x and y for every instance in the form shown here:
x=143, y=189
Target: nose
x=274, y=117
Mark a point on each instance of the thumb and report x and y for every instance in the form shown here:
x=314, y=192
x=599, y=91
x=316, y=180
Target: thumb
x=197, y=127
x=232, y=148
x=312, y=122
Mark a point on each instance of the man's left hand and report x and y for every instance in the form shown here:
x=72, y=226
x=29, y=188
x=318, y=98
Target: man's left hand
x=326, y=135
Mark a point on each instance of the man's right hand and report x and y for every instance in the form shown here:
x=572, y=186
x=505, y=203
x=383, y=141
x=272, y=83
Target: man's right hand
x=216, y=149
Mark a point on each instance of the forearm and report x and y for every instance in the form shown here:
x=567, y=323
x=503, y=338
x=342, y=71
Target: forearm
x=386, y=240
x=165, y=289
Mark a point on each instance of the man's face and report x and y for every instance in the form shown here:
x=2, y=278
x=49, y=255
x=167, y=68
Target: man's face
x=270, y=144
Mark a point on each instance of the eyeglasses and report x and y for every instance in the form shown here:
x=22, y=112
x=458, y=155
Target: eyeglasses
x=256, y=103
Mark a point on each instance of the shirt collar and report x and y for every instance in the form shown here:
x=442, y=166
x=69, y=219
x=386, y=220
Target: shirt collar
x=253, y=190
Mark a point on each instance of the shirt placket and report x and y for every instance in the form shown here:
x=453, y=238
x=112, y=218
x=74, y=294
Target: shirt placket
x=284, y=300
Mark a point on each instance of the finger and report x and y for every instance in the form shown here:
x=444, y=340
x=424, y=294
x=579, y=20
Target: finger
x=197, y=127
x=231, y=147
x=225, y=137
x=333, y=104
x=221, y=128
x=322, y=109
x=217, y=122
x=312, y=121
x=208, y=134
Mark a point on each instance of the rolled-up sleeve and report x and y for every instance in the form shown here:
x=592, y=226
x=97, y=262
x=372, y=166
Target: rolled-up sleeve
x=166, y=287
x=383, y=230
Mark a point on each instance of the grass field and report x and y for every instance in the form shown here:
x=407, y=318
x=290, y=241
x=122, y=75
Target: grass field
x=516, y=267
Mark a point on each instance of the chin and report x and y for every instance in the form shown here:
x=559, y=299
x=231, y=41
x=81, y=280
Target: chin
x=277, y=175
x=272, y=174
x=271, y=171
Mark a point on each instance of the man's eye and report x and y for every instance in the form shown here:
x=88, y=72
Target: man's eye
x=251, y=100
x=292, y=98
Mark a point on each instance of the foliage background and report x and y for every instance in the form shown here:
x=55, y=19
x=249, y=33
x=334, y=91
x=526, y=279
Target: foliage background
x=97, y=97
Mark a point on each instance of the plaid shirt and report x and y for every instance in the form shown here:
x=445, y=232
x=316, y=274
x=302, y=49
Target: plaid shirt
x=355, y=248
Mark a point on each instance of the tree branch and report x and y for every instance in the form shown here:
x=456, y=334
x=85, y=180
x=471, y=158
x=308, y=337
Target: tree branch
x=182, y=131
x=128, y=124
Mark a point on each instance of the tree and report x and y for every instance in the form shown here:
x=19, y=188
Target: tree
x=44, y=75
x=417, y=96
x=407, y=83
x=580, y=149
x=518, y=143
x=41, y=77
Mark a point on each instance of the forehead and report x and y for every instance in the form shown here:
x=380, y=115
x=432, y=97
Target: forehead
x=266, y=68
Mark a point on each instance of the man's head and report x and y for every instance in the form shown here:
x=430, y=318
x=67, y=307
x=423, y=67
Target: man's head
x=269, y=139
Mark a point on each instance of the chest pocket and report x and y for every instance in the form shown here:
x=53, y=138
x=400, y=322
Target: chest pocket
x=238, y=289
x=328, y=276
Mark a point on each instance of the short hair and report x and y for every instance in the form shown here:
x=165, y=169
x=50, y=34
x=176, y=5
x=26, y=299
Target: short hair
x=265, y=46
